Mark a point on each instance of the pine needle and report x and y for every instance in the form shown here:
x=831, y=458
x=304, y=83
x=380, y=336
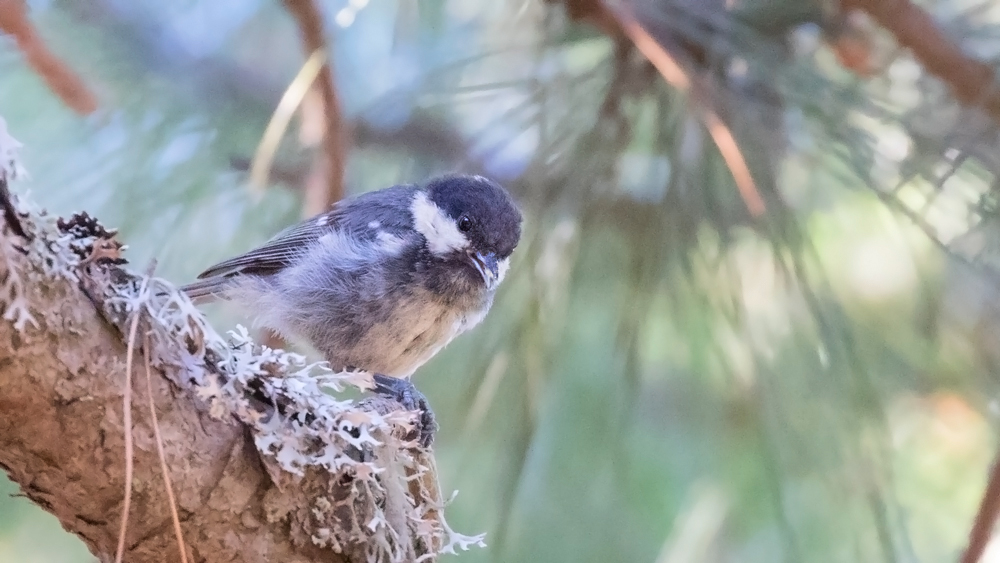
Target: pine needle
x=163, y=459
x=485, y=393
x=127, y=423
x=260, y=168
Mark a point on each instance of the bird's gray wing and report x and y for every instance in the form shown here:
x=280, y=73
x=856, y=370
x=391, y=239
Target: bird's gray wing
x=276, y=253
x=270, y=258
x=388, y=210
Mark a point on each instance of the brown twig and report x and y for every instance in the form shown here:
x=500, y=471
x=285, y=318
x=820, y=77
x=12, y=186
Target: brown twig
x=325, y=184
x=60, y=78
x=664, y=62
x=972, y=81
x=989, y=509
x=676, y=76
x=618, y=23
x=730, y=151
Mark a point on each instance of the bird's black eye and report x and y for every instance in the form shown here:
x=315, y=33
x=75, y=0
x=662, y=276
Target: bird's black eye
x=464, y=223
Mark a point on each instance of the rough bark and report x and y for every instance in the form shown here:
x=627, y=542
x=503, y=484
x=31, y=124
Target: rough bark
x=61, y=439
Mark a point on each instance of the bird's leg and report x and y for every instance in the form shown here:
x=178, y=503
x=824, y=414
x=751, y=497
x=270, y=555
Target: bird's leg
x=403, y=392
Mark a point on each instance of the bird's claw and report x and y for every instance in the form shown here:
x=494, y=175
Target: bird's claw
x=404, y=393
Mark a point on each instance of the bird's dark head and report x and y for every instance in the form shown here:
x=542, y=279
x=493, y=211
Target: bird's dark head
x=469, y=222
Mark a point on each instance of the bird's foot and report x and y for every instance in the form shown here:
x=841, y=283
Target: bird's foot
x=404, y=393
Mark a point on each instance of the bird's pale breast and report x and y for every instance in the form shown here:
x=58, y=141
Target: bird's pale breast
x=417, y=329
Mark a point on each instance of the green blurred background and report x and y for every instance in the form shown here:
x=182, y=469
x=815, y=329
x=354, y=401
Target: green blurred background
x=665, y=377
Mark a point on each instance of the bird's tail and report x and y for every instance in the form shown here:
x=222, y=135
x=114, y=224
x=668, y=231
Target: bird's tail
x=208, y=289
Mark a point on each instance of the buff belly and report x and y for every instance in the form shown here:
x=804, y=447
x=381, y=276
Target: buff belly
x=416, y=331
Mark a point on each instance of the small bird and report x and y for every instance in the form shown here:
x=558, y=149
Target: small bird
x=382, y=281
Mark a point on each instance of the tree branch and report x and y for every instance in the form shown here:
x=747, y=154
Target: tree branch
x=61, y=439
x=982, y=526
x=326, y=183
x=973, y=82
x=60, y=78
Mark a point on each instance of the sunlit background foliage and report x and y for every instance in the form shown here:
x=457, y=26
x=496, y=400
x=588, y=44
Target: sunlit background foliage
x=665, y=377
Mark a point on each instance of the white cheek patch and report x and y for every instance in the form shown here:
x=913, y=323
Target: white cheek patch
x=389, y=243
x=502, y=267
x=374, y=225
x=440, y=230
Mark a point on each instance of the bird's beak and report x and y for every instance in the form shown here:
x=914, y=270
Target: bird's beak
x=486, y=265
